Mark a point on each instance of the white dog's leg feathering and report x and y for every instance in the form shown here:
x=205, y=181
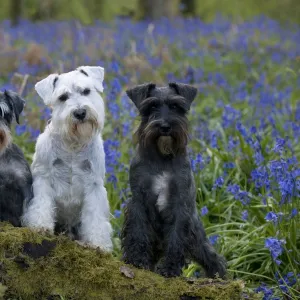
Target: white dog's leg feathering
x=40, y=213
x=96, y=229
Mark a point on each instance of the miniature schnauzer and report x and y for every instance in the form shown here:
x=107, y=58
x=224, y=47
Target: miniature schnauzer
x=162, y=228
x=15, y=174
x=69, y=162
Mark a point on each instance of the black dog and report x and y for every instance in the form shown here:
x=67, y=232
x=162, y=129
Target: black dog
x=162, y=228
x=15, y=174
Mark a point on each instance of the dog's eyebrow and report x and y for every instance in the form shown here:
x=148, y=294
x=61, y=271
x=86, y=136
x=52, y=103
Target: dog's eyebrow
x=149, y=100
x=54, y=81
x=83, y=72
x=176, y=99
x=3, y=109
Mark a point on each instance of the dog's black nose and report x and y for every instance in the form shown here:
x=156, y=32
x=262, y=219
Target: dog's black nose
x=80, y=114
x=165, y=128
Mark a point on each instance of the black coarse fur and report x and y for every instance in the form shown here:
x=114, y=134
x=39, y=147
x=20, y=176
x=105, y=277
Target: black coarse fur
x=15, y=174
x=163, y=238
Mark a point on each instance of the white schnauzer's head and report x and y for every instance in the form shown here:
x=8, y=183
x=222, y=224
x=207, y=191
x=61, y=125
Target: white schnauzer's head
x=77, y=107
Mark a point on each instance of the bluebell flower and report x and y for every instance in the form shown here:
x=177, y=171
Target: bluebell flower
x=275, y=247
x=279, y=145
x=267, y=292
x=204, y=211
x=20, y=129
x=117, y=213
x=245, y=215
x=271, y=216
x=294, y=212
x=233, y=188
x=229, y=165
x=219, y=182
x=213, y=239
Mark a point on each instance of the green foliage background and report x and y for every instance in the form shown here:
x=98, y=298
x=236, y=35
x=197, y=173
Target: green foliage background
x=88, y=10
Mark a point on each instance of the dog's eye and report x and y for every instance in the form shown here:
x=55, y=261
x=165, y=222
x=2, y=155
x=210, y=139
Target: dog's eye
x=153, y=107
x=86, y=92
x=64, y=97
x=173, y=106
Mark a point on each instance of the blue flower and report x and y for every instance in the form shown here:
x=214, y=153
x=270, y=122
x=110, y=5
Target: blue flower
x=294, y=212
x=20, y=129
x=271, y=216
x=279, y=145
x=245, y=215
x=117, y=213
x=275, y=247
x=229, y=165
x=267, y=292
x=213, y=239
x=204, y=211
x=219, y=182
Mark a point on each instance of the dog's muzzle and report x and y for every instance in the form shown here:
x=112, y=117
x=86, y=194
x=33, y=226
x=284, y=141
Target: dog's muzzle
x=5, y=137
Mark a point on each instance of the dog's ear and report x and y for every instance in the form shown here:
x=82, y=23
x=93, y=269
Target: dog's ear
x=17, y=103
x=140, y=92
x=96, y=73
x=45, y=87
x=185, y=90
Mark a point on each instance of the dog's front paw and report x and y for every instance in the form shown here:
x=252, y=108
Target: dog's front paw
x=140, y=263
x=42, y=230
x=168, y=272
x=104, y=247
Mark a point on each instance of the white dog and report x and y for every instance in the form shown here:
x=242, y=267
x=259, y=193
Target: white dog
x=69, y=163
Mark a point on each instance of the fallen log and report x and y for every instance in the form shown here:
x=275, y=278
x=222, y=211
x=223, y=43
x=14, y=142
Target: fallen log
x=44, y=266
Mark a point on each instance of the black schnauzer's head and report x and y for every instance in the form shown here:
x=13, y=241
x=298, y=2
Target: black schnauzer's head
x=11, y=105
x=163, y=113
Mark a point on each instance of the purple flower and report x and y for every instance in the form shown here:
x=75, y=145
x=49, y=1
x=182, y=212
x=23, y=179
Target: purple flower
x=275, y=247
x=213, y=239
x=271, y=216
x=20, y=129
x=229, y=165
x=117, y=213
x=233, y=189
x=279, y=145
x=204, y=211
x=245, y=215
x=267, y=292
x=219, y=182
x=294, y=212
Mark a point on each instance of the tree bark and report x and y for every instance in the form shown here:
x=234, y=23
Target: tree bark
x=15, y=11
x=189, y=7
x=43, y=266
x=156, y=9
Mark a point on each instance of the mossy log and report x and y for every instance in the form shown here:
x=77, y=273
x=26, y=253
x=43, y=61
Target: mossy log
x=43, y=266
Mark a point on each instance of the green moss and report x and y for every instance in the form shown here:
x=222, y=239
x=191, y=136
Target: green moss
x=36, y=266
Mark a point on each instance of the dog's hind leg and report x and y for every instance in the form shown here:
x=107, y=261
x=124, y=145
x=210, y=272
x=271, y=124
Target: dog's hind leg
x=203, y=252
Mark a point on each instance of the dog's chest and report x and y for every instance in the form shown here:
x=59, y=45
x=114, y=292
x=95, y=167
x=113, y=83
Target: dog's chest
x=160, y=188
x=70, y=176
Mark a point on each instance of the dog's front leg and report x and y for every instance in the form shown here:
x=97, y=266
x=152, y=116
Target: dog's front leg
x=173, y=260
x=40, y=210
x=95, y=228
x=137, y=235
